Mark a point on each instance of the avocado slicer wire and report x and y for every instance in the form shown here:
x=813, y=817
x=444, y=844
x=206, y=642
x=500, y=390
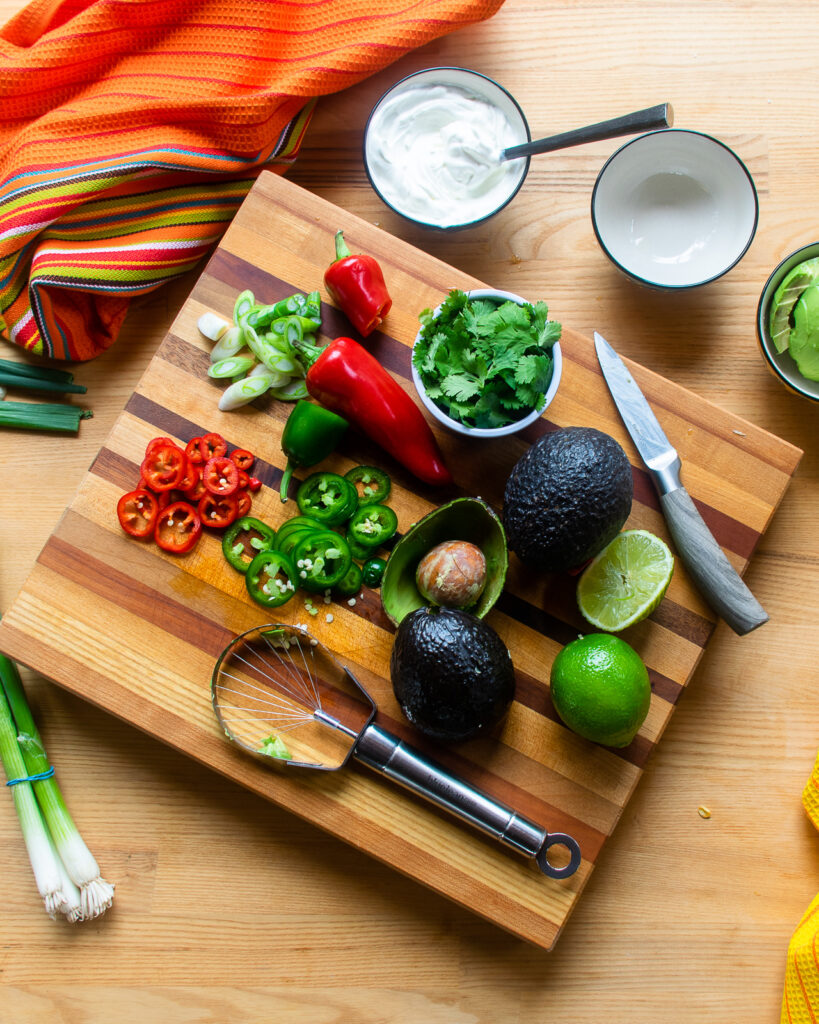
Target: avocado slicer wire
x=282, y=696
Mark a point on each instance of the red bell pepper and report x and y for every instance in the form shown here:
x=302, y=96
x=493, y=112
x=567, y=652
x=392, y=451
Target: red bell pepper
x=357, y=284
x=347, y=379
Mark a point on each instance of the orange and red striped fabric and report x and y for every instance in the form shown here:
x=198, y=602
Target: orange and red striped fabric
x=131, y=130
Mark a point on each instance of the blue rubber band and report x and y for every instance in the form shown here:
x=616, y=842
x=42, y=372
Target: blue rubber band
x=32, y=778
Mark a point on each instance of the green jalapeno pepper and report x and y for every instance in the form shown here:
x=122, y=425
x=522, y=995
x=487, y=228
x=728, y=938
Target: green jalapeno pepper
x=271, y=579
x=372, y=572
x=327, y=497
x=244, y=539
x=372, y=525
x=349, y=584
x=310, y=435
x=321, y=560
x=372, y=484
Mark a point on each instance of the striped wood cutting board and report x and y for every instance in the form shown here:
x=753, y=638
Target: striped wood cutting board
x=136, y=632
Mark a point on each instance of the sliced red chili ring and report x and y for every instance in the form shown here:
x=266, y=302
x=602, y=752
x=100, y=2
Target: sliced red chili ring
x=212, y=445
x=191, y=475
x=243, y=458
x=157, y=441
x=137, y=511
x=194, y=451
x=243, y=502
x=220, y=476
x=163, y=467
x=244, y=479
x=216, y=511
x=178, y=528
x=193, y=494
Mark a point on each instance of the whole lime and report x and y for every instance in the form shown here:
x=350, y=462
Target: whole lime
x=600, y=688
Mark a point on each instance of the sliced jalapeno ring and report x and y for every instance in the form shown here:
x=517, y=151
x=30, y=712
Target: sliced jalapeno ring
x=327, y=497
x=372, y=525
x=270, y=579
x=372, y=484
x=350, y=583
x=360, y=551
x=244, y=539
x=321, y=560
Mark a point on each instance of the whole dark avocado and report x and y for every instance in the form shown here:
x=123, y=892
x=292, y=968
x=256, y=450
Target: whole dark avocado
x=566, y=498
x=451, y=673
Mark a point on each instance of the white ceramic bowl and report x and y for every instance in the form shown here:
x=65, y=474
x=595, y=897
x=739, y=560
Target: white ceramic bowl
x=781, y=364
x=394, y=166
x=509, y=428
x=674, y=209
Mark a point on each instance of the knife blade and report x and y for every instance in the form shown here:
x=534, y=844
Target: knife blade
x=716, y=579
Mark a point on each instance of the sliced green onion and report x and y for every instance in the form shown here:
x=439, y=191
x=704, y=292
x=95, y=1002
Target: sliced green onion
x=57, y=416
x=35, y=835
x=96, y=895
x=26, y=383
x=291, y=392
x=233, y=366
x=245, y=302
x=230, y=344
x=212, y=326
x=243, y=391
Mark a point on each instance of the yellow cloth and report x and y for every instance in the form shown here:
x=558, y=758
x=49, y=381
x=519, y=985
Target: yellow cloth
x=800, y=1000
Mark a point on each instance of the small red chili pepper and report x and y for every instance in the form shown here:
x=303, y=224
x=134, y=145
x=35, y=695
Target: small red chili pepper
x=217, y=510
x=242, y=457
x=178, y=528
x=220, y=476
x=254, y=483
x=137, y=511
x=163, y=467
x=347, y=379
x=357, y=284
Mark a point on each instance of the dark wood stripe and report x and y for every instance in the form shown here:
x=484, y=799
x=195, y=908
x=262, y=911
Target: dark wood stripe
x=180, y=621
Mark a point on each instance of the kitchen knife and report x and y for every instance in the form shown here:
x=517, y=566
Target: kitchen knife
x=717, y=580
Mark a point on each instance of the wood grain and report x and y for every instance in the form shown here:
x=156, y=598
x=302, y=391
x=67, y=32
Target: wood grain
x=150, y=626
x=230, y=909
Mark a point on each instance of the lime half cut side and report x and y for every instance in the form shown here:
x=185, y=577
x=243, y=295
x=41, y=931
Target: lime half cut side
x=626, y=581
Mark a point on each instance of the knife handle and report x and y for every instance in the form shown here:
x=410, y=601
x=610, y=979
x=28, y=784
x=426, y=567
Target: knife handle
x=717, y=580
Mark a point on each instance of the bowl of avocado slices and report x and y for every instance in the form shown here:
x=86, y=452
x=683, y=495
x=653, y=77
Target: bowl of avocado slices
x=788, y=321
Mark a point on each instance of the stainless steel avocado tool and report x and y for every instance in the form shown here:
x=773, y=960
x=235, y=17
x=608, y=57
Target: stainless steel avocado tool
x=282, y=696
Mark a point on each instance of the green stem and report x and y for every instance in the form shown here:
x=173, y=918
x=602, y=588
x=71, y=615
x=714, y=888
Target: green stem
x=342, y=249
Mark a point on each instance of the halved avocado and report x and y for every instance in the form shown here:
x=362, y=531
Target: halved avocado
x=468, y=519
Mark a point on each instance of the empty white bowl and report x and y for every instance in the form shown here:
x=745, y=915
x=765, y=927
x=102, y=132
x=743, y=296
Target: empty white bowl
x=782, y=364
x=674, y=209
x=431, y=145
x=510, y=428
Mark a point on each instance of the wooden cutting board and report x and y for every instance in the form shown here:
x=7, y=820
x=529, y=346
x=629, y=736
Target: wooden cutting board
x=137, y=632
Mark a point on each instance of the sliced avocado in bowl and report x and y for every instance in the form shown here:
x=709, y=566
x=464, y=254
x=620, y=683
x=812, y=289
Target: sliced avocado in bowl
x=786, y=296
x=467, y=519
x=804, y=338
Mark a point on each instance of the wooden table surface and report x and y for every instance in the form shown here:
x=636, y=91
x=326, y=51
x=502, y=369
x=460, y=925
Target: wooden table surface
x=230, y=909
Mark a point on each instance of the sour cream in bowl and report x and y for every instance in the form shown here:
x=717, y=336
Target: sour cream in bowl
x=432, y=147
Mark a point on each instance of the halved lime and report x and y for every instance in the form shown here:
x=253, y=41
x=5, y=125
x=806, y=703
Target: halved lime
x=626, y=581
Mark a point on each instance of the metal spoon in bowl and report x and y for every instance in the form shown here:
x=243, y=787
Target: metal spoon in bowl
x=661, y=116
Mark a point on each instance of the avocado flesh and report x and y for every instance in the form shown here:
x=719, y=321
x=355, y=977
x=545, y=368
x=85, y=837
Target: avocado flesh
x=786, y=296
x=566, y=498
x=451, y=674
x=804, y=339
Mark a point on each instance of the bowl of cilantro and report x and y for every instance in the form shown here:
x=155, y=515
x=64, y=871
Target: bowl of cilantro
x=486, y=363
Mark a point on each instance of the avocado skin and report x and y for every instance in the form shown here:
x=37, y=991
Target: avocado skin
x=451, y=673
x=566, y=498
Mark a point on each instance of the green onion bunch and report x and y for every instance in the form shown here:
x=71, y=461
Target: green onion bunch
x=67, y=875
x=61, y=417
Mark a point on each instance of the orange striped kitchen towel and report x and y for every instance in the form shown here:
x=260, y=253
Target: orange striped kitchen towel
x=800, y=1001
x=131, y=130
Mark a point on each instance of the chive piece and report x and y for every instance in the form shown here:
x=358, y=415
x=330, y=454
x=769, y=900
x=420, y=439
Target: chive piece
x=56, y=416
x=41, y=372
x=27, y=383
x=96, y=895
